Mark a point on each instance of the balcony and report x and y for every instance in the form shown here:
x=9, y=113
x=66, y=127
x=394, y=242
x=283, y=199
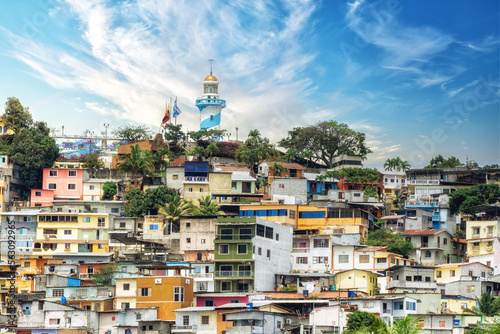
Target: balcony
x=301, y=250
x=411, y=285
x=423, y=182
x=202, y=275
x=210, y=102
x=386, y=311
x=196, y=179
x=85, y=276
x=234, y=274
x=184, y=329
x=233, y=237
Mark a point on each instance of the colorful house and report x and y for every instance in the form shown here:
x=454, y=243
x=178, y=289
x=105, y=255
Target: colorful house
x=58, y=184
x=450, y=272
x=357, y=279
x=482, y=242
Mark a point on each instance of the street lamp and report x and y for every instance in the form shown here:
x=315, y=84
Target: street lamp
x=236, y=134
x=105, y=141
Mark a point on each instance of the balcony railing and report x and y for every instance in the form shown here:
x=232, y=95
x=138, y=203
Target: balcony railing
x=202, y=275
x=234, y=236
x=239, y=273
x=386, y=311
x=301, y=250
x=423, y=182
x=184, y=329
x=195, y=179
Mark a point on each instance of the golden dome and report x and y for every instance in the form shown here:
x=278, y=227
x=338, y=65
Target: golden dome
x=210, y=78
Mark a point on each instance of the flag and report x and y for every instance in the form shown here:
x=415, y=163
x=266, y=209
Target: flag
x=177, y=111
x=166, y=118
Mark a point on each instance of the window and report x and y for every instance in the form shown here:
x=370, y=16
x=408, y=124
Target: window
x=364, y=259
x=91, y=187
x=398, y=306
x=209, y=302
x=269, y=253
x=23, y=231
x=57, y=292
x=245, y=233
x=442, y=324
x=52, y=173
x=101, y=246
x=178, y=293
x=115, y=210
x=144, y=292
x=71, y=186
x=445, y=241
x=463, y=306
x=301, y=260
x=320, y=259
x=201, y=190
x=153, y=227
x=185, y=320
x=125, y=306
x=452, y=273
x=190, y=190
x=408, y=278
x=475, y=230
x=382, y=260
x=233, y=185
x=343, y=259
x=67, y=232
x=175, y=177
x=428, y=254
x=411, y=306
x=320, y=243
x=86, y=219
x=202, y=241
x=52, y=186
x=90, y=269
x=292, y=214
x=438, y=274
x=490, y=229
x=188, y=240
x=226, y=234
x=223, y=249
x=242, y=249
x=138, y=316
x=188, y=225
x=259, y=251
x=277, y=237
x=225, y=286
x=38, y=193
x=205, y=319
x=72, y=173
x=483, y=274
x=54, y=321
x=126, y=286
x=67, y=246
x=470, y=288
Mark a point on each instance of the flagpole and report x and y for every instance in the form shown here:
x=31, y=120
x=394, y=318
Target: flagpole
x=174, y=112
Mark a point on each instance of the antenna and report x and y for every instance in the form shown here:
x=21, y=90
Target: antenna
x=211, y=61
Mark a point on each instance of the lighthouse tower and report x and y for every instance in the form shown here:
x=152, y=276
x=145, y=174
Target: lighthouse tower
x=209, y=104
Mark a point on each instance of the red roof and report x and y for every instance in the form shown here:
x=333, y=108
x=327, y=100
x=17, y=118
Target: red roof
x=422, y=232
x=233, y=168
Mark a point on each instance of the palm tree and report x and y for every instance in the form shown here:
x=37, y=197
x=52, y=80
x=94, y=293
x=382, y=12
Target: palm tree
x=291, y=154
x=138, y=163
x=207, y=207
x=487, y=306
x=210, y=150
x=389, y=164
x=405, y=165
x=307, y=155
x=159, y=158
x=406, y=325
x=379, y=327
x=174, y=208
x=199, y=151
x=321, y=178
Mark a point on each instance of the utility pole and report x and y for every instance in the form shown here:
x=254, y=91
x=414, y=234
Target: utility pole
x=104, y=145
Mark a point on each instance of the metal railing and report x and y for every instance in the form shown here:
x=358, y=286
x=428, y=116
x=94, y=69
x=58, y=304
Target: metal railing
x=238, y=273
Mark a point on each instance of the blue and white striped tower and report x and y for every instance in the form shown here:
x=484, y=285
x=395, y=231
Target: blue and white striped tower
x=210, y=105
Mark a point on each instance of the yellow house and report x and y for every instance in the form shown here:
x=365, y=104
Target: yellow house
x=71, y=233
x=326, y=220
x=456, y=304
x=450, y=272
x=3, y=128
x=481, y=236
x=357, y=279
x=168, y=293
x=26, y=272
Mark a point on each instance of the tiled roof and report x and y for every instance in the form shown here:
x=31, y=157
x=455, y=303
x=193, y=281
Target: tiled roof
x=422, y=232
x=233, y=168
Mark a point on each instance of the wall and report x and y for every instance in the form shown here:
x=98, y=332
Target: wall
x=220, y=182
x=289, y=190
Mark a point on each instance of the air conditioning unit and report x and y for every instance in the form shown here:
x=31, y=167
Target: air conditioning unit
x=46, y=236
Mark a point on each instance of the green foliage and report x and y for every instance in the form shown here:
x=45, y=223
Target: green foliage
x=359, y=319
x=139, y=203
x=175, y=207
x=394, y=242
x=92, y=161
x=34, y=150
x=371, y=191
x=440, y=162
x=173, y=133
x=109, y=190
x=227, y=149
x=159, y=156
x=487, y=306
x=132, y=132
x=326, y=140
x=255, y=150
x=16, y=117
x=493, y=166
x=104, y=275
x=396, y=164
x=288, y=288
x=462, y=199
x=138, y=162
x=207, y=207
x=278, y=169
x=406, y=325
x=206, y=134
x=459, y=234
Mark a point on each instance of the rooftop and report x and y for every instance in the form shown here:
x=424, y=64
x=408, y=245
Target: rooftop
x=422, y=232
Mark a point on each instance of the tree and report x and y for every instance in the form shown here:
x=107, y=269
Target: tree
x=394, y=242
x=198, y=151
x=34, y=150
x=406, y=325
x=255, y=150
x=138, y=163
x=326, y=140
x=396, y=164
x=16, y=117
x=278, y=169
x=174, y=208
x=173, y=133
x=463, y=199
x=132, y=132
x=105, y=275
x=159, y=161
x=440, y=162
x=207, y=207
x=291, y=154
x=109, y=190
x=206, y=134
x=211, y=150
x=493, y=166
x=92, y=161
x=487, y=306
x=359, y=319
x=140, y=203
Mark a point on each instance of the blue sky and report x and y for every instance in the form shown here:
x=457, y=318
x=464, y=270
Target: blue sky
x=420, y=78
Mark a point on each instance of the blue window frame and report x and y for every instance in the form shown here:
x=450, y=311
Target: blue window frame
x=153, y=227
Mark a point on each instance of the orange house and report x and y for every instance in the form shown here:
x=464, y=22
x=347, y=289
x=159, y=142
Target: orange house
x=166, y=293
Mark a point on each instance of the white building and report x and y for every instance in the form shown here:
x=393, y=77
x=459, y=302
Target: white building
x=312, y=253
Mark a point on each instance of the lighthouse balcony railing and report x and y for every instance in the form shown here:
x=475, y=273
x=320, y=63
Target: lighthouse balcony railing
x=216, y=102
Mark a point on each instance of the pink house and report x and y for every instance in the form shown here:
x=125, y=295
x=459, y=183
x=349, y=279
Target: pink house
x=58, y=184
